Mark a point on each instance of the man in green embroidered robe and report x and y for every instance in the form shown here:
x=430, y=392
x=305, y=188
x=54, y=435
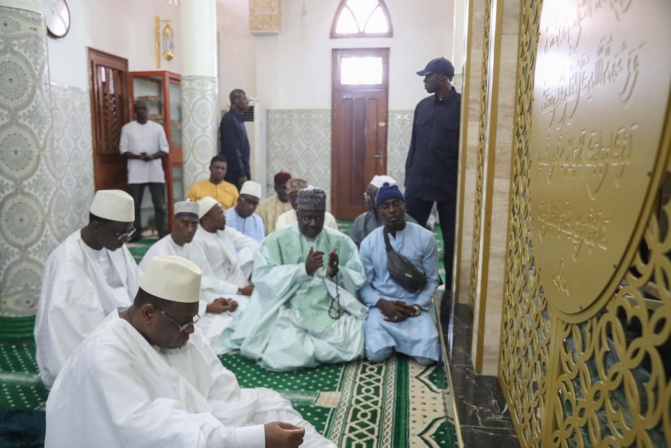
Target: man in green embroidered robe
x=304, y=310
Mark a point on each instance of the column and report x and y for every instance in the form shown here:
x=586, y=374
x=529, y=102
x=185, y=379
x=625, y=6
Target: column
x=200, y=92
x=28, y=177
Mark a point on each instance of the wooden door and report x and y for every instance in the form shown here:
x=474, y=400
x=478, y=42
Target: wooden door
x=359, y=126
x=109, y=112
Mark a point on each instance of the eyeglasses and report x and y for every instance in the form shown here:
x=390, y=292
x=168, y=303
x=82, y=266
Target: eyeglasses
x=123, y=235
x=247, y=201
x=183, y=327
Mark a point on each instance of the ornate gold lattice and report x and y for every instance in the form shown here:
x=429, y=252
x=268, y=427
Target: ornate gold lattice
x=601, y=382
x=480, y=171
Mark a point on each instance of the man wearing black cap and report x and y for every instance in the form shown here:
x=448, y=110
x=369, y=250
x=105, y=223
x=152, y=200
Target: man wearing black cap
x=431, y=166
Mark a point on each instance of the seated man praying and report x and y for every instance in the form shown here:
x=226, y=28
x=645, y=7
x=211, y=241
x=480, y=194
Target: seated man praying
x=145, y=377
x=303, y=311
x=399, y=320
x=85, y=278
x=216, y=301
x=270, y=208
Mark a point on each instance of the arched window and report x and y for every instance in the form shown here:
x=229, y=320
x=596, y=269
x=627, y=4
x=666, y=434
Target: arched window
x=361, y=18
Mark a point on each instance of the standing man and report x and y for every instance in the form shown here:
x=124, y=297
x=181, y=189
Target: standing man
x=224, y=192
x=144, y=145
x=399, y=320
x=242, y=217
x=431, y=166
x=86, y=277
x=234, y=142
x=271, y=208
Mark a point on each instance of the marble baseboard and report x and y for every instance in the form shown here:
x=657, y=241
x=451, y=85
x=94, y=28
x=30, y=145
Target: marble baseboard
x=481, y=408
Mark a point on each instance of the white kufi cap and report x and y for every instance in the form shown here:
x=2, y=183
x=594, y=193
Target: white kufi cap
x=251, y=188
x=378, y=181
x=115, y=205
x=205, y=205
x=172, y=278
x=186, y=208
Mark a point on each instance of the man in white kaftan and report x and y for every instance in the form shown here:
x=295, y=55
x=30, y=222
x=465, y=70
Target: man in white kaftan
x=229, y=253
x=216, y=311
x=147, y=378
x=303, y=311
x=85, y=278
x=399, y=320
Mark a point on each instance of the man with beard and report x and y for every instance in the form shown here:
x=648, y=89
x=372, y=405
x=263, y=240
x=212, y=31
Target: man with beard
x=86, y=277
x=288, y=218
x=399, y=320
x=370, y=220
x=303, y=311
x=146, y=377
x=229, y=253
x=215, y=309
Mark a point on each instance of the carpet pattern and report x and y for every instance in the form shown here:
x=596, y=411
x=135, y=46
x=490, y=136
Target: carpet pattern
x=397, y=403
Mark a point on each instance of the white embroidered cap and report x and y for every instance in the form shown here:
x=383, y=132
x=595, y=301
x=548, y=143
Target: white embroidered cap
x=251, y=188
x=205, y=205
x=378, y=181
x=172, y=278
x=189, y=208
x=115, y=205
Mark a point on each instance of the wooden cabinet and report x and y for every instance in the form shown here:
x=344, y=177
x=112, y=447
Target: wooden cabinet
x=161, y=91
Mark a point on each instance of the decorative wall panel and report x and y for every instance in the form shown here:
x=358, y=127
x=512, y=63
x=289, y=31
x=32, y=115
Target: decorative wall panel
x=200, y=125
x=601, y=377
x=265, y=16
x=28, y=183
x=71, y=160
x=299, y=141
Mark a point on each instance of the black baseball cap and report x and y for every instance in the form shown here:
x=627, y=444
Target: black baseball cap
x=439, y=65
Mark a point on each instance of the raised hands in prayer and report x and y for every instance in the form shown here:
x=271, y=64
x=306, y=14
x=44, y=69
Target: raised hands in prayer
x=314, y=261
x=333, y=263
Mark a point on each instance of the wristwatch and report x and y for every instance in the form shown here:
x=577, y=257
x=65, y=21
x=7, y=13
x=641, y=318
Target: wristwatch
x=417, y=309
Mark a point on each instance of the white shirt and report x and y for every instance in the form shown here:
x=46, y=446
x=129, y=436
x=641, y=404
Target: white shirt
x=150, y=138
x=117, y=390
x=80, y=287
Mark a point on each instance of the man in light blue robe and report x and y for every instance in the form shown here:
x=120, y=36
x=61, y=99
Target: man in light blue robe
x=303, y=311
x=399, y=320
x=242, y=217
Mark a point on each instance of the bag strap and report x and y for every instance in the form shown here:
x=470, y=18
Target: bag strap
x=386, y=240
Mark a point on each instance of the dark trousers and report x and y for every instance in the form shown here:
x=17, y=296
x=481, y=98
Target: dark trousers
x=157, y=191
x=420, y=210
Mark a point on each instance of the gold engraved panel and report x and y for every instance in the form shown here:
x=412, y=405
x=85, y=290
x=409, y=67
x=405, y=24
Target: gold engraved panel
x=601, y=376
x=480, y=169
x=595, y=142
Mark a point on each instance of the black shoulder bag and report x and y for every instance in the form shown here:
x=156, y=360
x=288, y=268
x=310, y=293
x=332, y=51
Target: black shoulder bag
x=401, y=270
